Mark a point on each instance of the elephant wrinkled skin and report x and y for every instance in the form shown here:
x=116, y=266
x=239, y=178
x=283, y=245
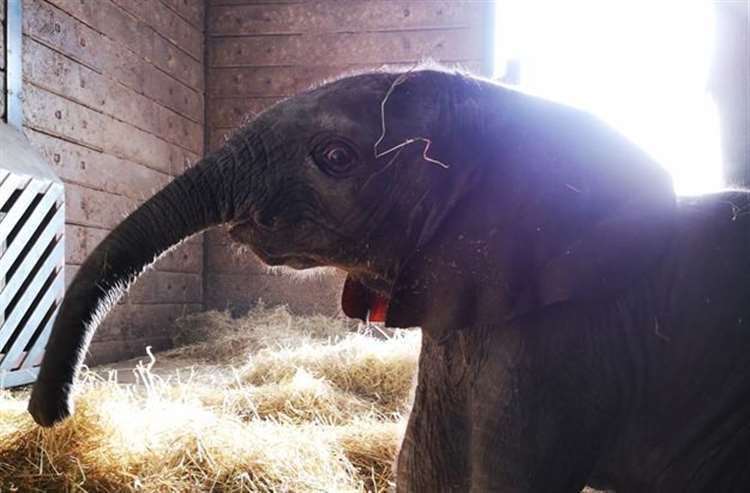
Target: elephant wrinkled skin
x=580, y=324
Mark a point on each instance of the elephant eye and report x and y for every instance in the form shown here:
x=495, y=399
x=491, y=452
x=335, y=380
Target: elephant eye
x=338, y=156
x=335, y=157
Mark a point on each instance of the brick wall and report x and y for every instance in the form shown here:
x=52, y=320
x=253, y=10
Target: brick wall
x=260, y=52
x=113, y=98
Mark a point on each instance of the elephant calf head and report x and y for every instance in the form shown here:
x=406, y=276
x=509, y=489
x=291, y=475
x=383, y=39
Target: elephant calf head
x=431, y=189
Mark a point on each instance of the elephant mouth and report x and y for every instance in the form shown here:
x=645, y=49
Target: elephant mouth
x=362, y=302
x=294, y=261
x=240, y=235
x=358, y=299
x=248, y=233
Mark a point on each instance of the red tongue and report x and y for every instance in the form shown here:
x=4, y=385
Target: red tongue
x=378, y=308
x=358, y=301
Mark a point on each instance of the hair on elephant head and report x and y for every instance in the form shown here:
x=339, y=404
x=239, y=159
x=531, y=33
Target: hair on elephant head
x=434, y=190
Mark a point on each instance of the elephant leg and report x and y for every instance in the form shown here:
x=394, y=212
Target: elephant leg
x=485, y=418
x=433, y=455
x=529, y=432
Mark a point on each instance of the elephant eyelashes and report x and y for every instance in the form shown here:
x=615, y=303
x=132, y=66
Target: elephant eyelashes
x=335, y=158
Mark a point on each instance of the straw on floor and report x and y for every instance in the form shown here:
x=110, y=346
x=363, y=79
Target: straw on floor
x=271, y=402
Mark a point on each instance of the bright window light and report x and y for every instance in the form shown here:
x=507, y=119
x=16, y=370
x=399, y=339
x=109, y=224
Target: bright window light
x=641, y=66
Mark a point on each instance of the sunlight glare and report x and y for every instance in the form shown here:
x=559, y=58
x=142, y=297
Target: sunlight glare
x=641, y=66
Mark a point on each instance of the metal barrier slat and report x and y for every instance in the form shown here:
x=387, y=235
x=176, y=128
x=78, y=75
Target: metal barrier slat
x=11, y=323
x=9, y=185
x=54, y=228
x=51, y=296
x=33, y=188
x=39, y=345
x=28, y=228
x=18, y=377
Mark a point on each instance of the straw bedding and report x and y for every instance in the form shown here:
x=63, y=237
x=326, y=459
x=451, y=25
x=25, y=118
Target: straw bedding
x=268, y=402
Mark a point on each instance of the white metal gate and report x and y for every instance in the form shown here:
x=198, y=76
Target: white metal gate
x=32, y=257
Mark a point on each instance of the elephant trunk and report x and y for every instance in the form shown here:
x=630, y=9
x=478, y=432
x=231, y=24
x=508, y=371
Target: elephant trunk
x=202, y=197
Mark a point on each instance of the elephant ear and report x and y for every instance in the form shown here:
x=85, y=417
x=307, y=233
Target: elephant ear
x=598, y=217
x=603, y=260
x=417, y=121
x=577, y=214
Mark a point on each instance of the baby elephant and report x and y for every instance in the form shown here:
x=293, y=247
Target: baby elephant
x=580, y=325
